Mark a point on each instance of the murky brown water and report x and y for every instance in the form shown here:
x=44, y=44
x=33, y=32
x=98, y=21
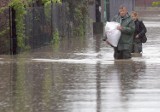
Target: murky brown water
x=81, y=76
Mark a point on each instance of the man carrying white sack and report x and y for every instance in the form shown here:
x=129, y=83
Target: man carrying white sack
x=127, y=27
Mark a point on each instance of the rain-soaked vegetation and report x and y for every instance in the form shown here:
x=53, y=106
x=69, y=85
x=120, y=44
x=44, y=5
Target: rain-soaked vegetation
x=35, y=23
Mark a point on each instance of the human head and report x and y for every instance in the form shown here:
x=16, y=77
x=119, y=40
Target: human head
x=123, y=11
x=134, y=15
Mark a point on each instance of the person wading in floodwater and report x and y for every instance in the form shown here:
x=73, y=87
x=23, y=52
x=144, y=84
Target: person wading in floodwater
x=127, y=28
x=140, y=31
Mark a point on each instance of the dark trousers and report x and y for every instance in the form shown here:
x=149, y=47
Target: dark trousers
x=137, y=47
x=121, y=54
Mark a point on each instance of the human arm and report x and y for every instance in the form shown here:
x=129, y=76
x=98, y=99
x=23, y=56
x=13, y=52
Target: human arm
x=127, y=28
x=143, y=29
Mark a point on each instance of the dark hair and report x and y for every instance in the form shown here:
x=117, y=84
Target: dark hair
x=134, y=13
x=122, y=7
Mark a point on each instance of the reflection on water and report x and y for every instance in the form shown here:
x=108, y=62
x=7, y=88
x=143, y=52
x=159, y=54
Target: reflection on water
x=65, y=87
x=80, y=76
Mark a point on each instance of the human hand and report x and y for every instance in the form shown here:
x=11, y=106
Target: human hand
x=137, y=36
x=109, y=43
x=119, y=27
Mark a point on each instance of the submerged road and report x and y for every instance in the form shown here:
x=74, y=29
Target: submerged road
x=81, y=75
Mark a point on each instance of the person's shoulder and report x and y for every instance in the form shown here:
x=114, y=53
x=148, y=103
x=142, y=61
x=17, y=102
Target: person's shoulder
x=130, y=18
x=115, y=16
x=140, y=20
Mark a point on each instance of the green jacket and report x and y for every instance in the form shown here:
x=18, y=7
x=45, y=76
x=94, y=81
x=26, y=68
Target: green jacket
x=126, y=39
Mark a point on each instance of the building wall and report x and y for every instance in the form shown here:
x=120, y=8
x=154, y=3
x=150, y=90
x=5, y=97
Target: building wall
x=144, y=3
x=115, y=4
x=111, y=10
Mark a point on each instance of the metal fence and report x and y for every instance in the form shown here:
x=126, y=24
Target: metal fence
x=115, y=4
x=41, y=23
x=5, y=32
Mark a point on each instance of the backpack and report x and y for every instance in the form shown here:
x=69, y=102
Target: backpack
x=144, y=39
x=143, y=36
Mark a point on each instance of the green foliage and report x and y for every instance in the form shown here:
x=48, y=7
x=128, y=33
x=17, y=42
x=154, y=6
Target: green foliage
x=80, y=20
x=19, y=7
x=79, y=15
x=4, y=32
x=47, y=7
x=156, y=3
x=56, y=37
x=2, y=9
x=49, y=1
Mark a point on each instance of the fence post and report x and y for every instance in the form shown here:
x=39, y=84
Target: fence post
x=98, y=25
x=98, y=10
x=13, y=44
x=51, y=19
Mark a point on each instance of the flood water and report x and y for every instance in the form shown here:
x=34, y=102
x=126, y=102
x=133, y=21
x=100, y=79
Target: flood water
x=80, y=75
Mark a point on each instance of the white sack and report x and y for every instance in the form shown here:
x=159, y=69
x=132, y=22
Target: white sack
x=112, y=33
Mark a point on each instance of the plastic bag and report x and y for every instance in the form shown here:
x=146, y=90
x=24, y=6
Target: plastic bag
x=113, y=35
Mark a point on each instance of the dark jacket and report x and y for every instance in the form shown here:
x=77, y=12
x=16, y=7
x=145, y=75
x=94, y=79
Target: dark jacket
x=140, y=30
x=126, y=39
